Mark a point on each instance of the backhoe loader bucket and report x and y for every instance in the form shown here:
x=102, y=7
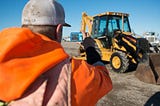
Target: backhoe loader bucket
x=149, y=71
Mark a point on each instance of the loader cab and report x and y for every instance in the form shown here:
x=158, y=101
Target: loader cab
x=105, y=24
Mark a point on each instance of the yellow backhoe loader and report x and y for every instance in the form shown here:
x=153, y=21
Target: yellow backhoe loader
x=116, y=45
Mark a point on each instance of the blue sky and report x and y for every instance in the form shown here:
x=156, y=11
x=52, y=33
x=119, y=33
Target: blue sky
x=144, y=14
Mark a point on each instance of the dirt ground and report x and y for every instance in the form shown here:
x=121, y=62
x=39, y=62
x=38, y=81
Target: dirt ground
x=127, y=89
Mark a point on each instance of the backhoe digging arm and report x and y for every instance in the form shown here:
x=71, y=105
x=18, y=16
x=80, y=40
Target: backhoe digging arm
x=86, y=21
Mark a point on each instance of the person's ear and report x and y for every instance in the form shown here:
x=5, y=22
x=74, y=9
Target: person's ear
x=59, y=32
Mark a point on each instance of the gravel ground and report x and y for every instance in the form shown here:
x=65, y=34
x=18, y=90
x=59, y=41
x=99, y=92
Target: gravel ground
x=127, y=89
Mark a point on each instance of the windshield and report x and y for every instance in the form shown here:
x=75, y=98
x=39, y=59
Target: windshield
x=100, y=24
x=115, y=22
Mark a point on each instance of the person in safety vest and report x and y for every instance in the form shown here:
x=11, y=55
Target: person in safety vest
x=36, y=71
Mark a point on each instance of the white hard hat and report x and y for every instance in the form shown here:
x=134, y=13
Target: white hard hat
x=43, y=12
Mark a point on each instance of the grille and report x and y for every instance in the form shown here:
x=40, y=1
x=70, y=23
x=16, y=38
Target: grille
x=150, y=39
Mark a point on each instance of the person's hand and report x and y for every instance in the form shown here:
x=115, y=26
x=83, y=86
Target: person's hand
x=92, y=55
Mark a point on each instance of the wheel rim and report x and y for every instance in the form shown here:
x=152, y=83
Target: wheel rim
x=116, y=62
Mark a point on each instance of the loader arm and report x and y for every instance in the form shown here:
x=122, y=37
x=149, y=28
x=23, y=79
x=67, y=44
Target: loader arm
x=86, y=22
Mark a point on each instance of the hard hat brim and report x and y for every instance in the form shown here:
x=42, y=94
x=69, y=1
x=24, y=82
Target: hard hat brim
x=67, y=25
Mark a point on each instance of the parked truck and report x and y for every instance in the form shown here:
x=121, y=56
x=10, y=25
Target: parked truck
x=152, y=37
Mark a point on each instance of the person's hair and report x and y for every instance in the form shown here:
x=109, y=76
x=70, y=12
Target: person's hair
x=47, y=30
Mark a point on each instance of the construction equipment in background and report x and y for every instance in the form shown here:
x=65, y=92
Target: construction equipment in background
x=116, y=45
x=154, y=41
x=76, y=37
x=152, y=37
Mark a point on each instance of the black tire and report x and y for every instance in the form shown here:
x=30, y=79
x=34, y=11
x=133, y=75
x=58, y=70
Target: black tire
x=119, y=62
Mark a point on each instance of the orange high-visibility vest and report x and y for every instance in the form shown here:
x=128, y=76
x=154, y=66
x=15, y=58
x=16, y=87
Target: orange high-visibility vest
x=88, y=83
x=24, y=56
